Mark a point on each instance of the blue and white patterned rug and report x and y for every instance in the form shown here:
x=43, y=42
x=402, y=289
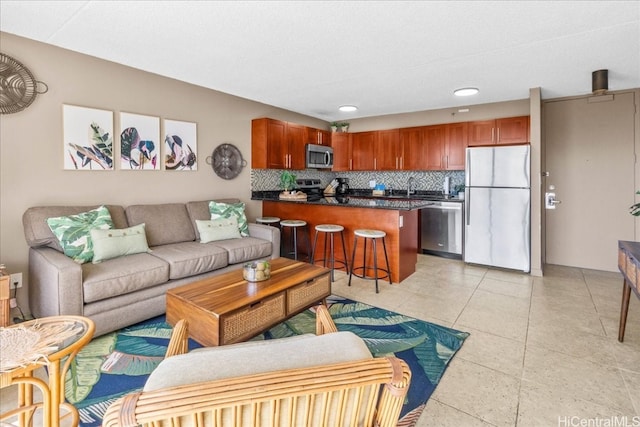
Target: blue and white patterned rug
x=115, y=364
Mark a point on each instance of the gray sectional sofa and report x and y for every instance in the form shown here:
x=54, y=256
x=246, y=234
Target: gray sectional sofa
x=125, y=290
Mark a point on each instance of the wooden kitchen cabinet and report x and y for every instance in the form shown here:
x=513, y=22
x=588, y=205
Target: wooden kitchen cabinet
x=513, y=130
x=362, y=150
x=296, y=136
x=510, y=130
x=318, y=136
x=433, y=140
x=413, y=148
x=437, y=147
x=387, y=150
x=277, y=145
x=455, y=146
x=341, y=144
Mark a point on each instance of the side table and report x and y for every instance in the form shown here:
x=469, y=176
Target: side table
x=52, y=342
x=5, y=297
x=629, y=265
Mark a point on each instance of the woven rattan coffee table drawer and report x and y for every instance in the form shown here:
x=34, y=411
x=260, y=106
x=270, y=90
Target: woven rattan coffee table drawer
x=225, y=309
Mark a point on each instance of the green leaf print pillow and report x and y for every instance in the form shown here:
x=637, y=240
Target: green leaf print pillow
x=226, y=210
x=73, y=232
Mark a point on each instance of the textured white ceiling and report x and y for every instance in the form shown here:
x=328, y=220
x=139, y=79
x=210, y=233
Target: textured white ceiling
x=384, y=56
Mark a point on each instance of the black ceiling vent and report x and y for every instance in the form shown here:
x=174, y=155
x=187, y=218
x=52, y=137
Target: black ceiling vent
x=600, y=82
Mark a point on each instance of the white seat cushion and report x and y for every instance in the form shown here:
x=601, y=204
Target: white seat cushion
x=213, y=363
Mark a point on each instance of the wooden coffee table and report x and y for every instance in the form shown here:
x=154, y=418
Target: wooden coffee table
x=226, y=309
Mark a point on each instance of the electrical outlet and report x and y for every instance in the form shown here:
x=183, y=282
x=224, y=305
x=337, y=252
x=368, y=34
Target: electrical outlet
x=16, y=281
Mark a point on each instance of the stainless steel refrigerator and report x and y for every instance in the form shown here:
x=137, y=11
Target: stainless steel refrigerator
x=498, y=207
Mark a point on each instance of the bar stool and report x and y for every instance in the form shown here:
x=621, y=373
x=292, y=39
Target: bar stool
x=268, y=220
x=330, y=230
x=293, y=225
x=372, y=235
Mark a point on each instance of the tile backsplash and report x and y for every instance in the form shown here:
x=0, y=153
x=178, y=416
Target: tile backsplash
x=269, y=179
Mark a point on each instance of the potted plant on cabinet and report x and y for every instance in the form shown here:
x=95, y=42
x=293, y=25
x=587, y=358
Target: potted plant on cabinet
x=287, y=180
x=334, y=126
x=344, y=126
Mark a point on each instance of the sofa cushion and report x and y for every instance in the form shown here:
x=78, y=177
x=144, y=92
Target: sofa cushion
x=200, y=210
x=74, y=232
x=245, y=249
x=234, y=360
x=37, y=232
x=164, y=223
x=113, y=243
x=191, y=258
x=218, y=229
x=226, y=210
x=123, y=275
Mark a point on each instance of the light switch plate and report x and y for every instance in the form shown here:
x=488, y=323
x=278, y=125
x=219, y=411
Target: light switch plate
x=372, y=183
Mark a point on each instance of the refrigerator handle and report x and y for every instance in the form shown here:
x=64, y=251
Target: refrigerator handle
x=467, y=205
x=467, y=168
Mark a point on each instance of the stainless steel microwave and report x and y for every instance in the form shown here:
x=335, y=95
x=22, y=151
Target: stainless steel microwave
x=319, y=156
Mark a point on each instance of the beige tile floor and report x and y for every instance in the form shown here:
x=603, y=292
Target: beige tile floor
x=542, y=351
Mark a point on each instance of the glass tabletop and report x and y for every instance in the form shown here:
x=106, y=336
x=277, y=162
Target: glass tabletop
x=40, y=340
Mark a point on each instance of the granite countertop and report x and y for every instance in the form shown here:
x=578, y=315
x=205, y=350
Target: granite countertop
x=362, y=200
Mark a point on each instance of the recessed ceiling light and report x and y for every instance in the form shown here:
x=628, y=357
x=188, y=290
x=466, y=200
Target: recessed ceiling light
x=466, y=91
x=347, y=108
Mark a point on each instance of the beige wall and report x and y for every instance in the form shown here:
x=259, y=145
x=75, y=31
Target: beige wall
x=537, y=204
x=31, y=160
x=446, y=115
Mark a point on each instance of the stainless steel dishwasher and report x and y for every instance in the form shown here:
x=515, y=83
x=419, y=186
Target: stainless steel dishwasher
x=441, y=229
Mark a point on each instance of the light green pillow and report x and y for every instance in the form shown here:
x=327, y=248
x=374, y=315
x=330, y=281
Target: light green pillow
x=227, y=210
x=218, y=229
x=114, y=243
x=73, y=232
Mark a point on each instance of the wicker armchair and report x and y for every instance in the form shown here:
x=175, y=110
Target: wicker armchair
x=365, y=392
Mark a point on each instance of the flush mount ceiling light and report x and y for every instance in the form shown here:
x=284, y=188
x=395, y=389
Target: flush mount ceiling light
x=347, y=108
x=466, y=91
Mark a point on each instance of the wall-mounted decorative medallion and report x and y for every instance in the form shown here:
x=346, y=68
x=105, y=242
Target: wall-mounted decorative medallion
x=18, y=87
x=226, y=161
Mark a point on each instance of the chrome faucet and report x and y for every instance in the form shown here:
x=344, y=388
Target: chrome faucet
x=409, y=185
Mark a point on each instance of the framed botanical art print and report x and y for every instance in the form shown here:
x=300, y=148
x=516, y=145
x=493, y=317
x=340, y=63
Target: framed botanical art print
x=139, y=142
x=180, y=145
x=88, y=138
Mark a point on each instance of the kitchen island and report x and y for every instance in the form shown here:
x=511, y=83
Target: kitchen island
x=396, y=217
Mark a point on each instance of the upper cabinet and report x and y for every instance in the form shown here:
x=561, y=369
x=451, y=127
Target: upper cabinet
x=511, y=130
x=437, y=147
x=455, y=146
x=341, y=144
x=277, y=145
x=362, y=151
x=413, y=148
x=433, y=141
x=319, y=137
x=281, y=145
x=387, y=150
